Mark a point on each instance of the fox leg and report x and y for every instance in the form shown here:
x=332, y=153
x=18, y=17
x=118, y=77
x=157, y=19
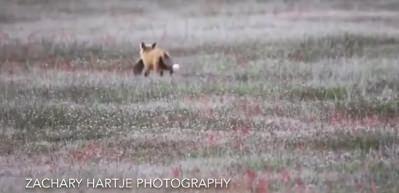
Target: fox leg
x=146, y=73
x=138, y=67
x=147, y=70
x=158, y=69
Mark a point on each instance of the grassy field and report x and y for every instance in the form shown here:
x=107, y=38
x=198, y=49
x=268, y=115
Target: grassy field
x=281, y=96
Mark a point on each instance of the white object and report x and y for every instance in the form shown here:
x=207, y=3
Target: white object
x=175, y=66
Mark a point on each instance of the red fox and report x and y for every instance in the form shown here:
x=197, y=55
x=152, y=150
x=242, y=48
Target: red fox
x=153, y=58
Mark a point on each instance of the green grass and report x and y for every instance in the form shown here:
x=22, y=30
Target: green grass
x=364, y=141
x=339, y=46
x=363, y=108
x=335, y=94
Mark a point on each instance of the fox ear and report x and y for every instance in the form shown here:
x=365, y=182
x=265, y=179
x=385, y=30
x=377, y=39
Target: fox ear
x=142, y=45
x=154, y=45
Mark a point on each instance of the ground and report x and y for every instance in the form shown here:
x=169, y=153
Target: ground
x=280, y=96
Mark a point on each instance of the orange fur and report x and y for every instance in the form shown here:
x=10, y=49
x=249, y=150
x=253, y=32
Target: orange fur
x=153, y=58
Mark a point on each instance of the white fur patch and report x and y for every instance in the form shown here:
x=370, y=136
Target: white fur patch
x=175, y=66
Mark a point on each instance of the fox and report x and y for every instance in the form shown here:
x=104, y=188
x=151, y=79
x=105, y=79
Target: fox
x=154, y=58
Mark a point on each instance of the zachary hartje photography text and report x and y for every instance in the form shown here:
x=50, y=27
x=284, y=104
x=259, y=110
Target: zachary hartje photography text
x=126, y=183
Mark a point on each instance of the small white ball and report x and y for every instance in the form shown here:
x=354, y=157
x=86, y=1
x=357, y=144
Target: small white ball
x=175, y=66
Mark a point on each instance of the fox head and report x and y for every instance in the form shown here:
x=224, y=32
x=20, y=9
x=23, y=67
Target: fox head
x=145, y=48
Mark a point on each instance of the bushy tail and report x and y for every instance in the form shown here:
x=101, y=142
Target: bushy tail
x=168, y=64
x=138, y=67
x=167, y=61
